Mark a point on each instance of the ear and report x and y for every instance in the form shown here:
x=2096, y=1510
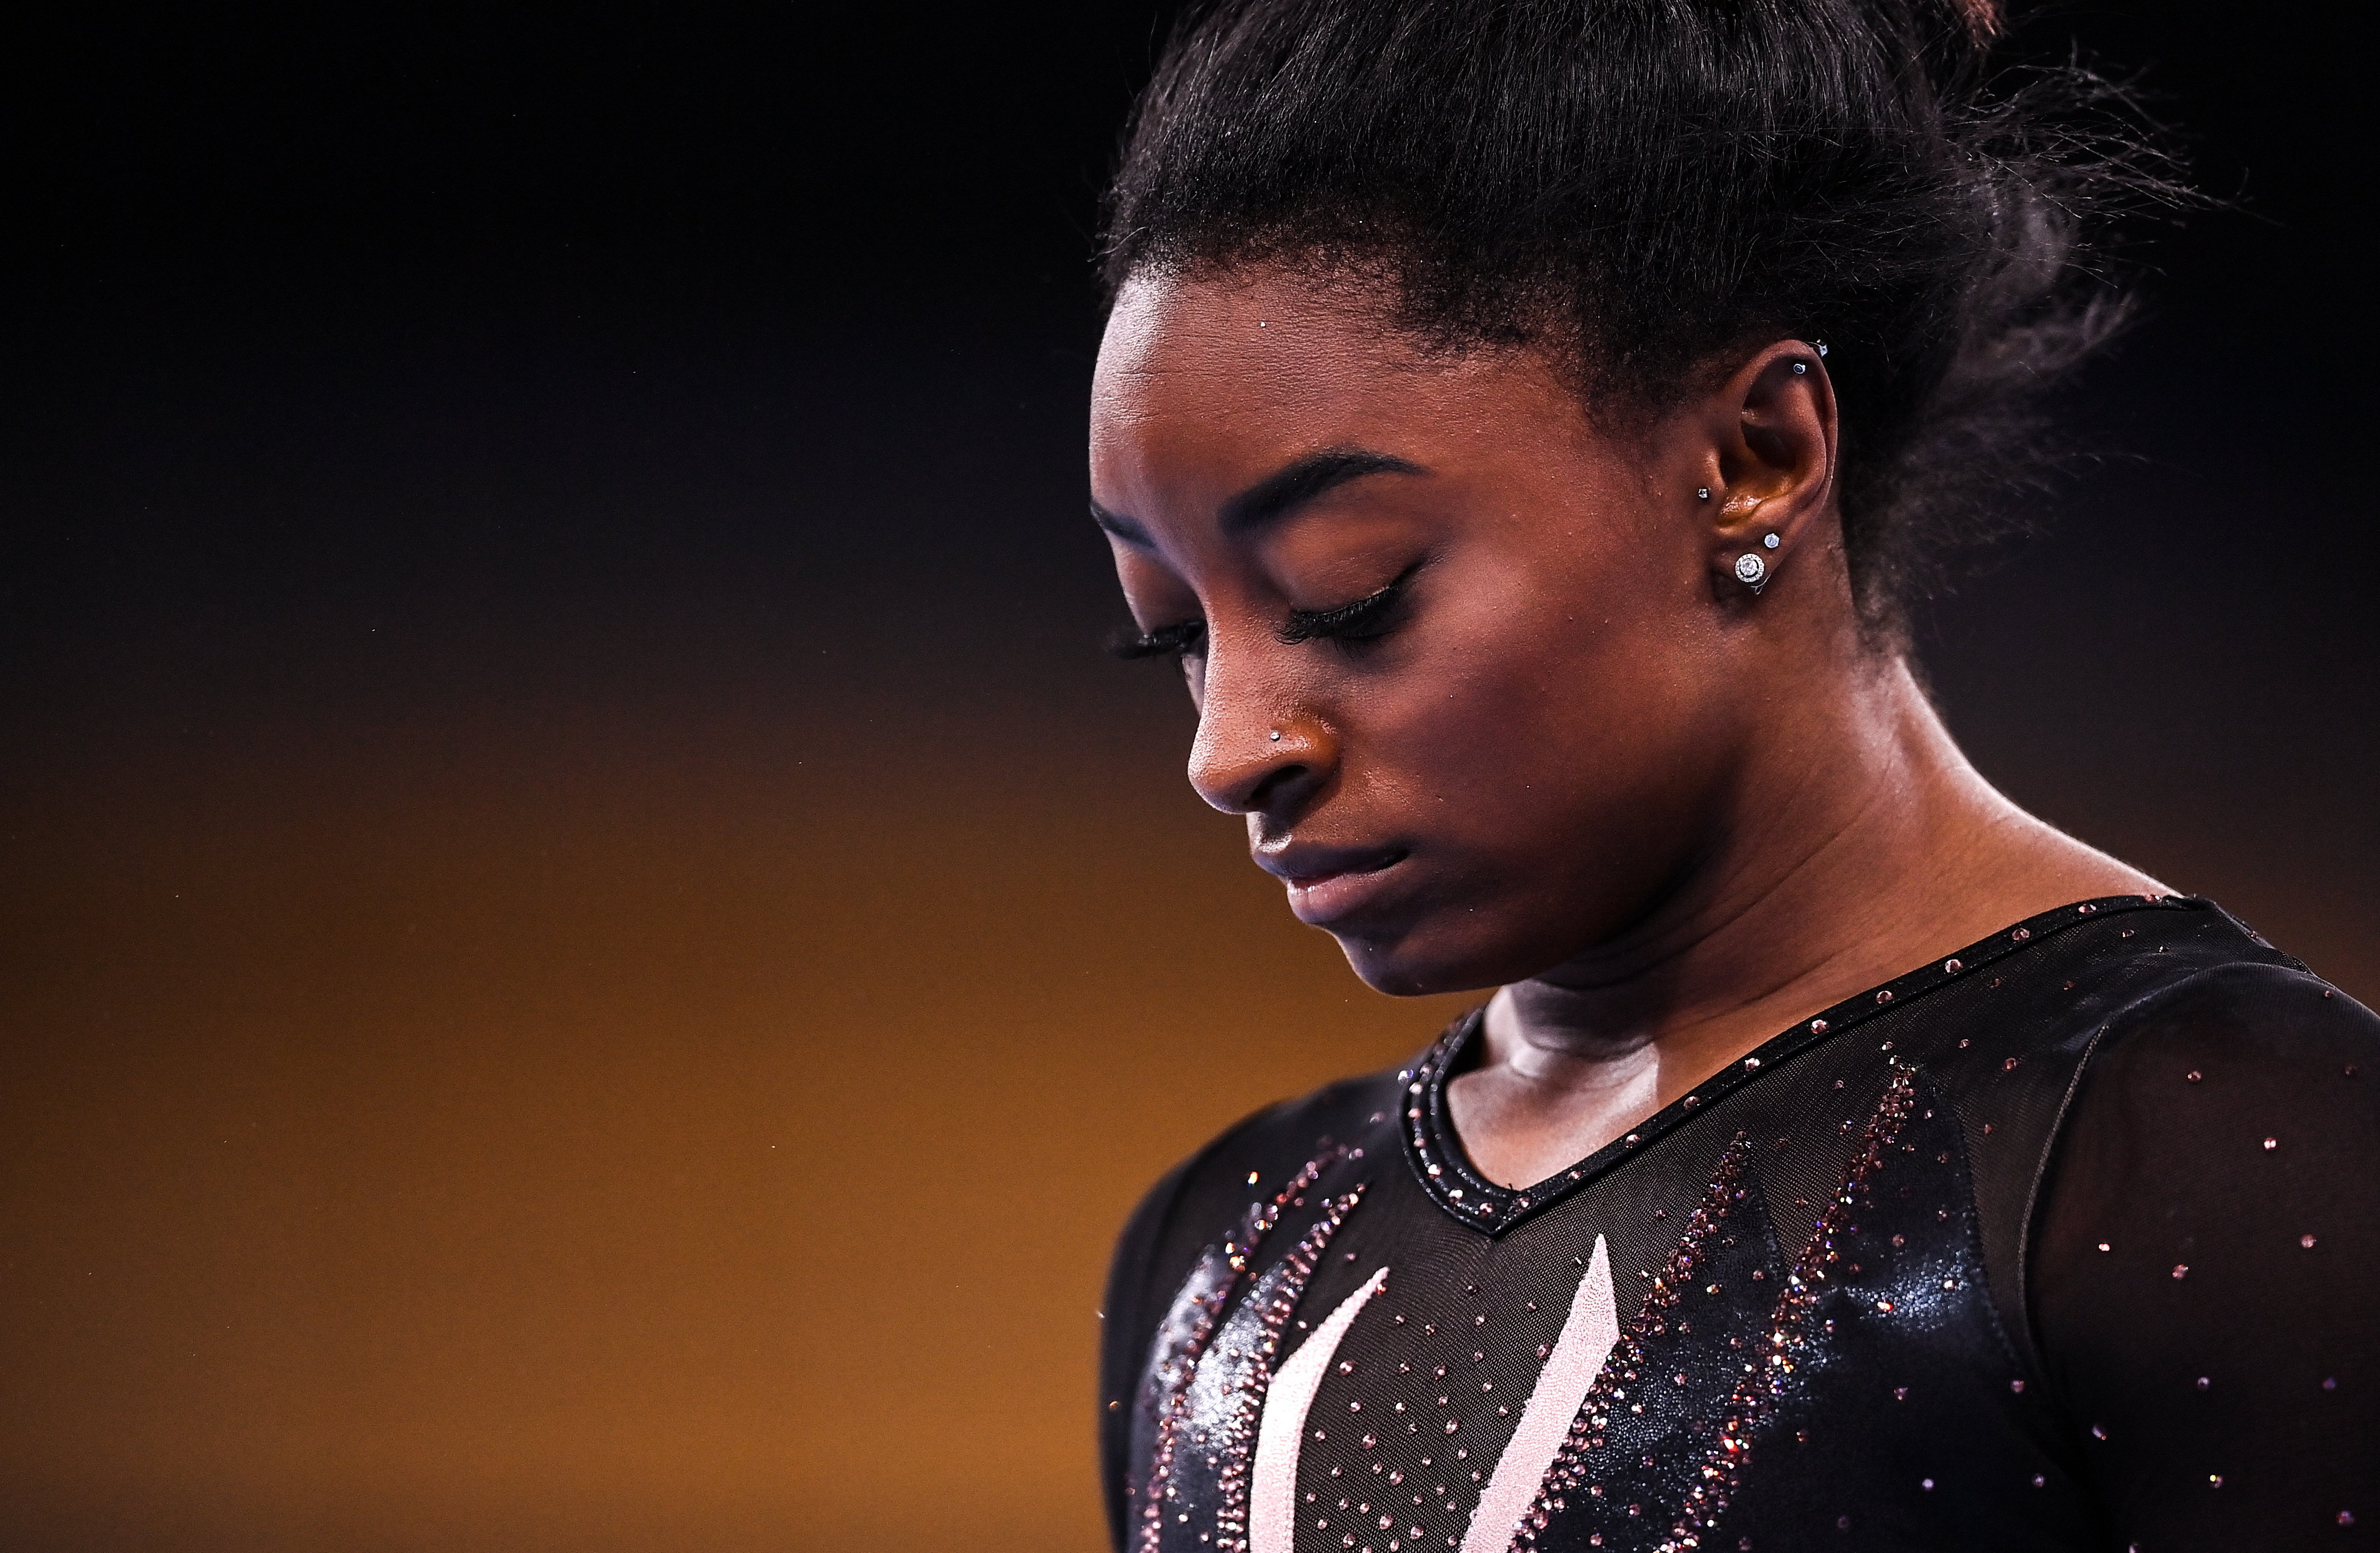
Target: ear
x=1769, y=446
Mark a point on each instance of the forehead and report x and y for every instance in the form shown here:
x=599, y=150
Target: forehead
x=1258, y=330
x=1221, y=379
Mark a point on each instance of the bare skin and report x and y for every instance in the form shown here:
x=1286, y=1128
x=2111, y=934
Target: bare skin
x=1475, y=666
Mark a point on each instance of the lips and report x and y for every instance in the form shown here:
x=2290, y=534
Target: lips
x=1326, y=883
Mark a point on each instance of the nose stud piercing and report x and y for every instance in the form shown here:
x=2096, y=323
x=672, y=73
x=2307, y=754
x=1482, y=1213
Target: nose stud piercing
x=1702, y=493
x=1276, y=735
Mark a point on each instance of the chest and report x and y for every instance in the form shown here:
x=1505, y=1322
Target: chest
x=1709, y=1350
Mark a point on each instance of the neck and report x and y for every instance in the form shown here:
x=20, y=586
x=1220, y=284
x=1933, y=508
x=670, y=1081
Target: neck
x=1828, y=876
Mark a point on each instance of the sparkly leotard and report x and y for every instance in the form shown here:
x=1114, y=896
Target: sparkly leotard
x=2068, y=1241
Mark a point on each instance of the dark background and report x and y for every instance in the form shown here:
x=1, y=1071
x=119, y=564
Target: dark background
x=591, y=950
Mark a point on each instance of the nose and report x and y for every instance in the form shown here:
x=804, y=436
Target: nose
x=1251, y=757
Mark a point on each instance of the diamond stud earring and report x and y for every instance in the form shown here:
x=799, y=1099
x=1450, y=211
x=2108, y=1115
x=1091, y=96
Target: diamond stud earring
x=1752, y=571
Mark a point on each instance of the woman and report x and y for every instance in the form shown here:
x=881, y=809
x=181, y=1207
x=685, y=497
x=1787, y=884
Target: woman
x=1525, y=419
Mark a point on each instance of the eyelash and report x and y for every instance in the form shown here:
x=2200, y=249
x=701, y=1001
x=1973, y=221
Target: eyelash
x=1166, y=641
x=1359, y=621
x=1356, y=622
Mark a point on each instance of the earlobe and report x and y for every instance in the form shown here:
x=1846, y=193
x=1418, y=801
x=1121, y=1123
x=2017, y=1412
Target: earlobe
x=1751, y=567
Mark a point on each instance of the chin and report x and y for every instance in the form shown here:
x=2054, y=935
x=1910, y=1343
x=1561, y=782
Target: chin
x=1433, y=957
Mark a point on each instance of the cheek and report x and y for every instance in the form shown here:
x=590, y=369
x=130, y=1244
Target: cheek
x=1549, y=728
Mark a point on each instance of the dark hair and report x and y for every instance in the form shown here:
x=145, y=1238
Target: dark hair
x=1651, y=186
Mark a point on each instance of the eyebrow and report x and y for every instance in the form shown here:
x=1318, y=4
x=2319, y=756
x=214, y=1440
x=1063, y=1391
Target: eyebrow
x=1279, y=493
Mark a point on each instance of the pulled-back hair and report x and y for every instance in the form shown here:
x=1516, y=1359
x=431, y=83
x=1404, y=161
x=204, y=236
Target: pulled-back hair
x=1654, y=188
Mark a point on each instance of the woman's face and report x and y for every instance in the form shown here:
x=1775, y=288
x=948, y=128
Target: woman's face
x=1467, y=663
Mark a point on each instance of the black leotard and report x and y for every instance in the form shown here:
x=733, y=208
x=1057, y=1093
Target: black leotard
x=2068, y=1241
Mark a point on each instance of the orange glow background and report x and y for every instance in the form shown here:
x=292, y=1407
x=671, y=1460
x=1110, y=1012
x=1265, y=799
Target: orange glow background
x=556, y=1149
x=593, y=955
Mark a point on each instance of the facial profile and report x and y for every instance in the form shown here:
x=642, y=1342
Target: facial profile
x=1474, y=660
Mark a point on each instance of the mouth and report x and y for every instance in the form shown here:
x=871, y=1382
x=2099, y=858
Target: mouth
x=1326, y=883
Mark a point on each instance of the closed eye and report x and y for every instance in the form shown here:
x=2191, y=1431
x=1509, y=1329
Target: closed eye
x=1166, y=641
x=1365, y=618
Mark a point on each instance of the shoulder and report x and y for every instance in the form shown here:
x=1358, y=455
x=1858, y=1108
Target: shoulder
x=2231, y=1013
x=2138, y=980
x=2196, y=1268
x=1197, y=1203
x=2235, y=1074
x=1199, y=1197
x=2206, y=1048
